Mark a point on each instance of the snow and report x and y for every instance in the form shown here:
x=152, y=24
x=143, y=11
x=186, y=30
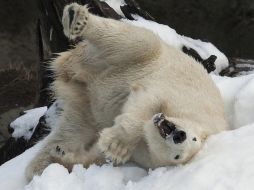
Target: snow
x=24, y=125
x=116, y=4
x=95, y=177
x=244, y=105
x=237, y=94
x=12, y=172
x=225, y=162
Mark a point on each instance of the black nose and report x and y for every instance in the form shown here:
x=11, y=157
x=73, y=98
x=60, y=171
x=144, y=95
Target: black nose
x=179, y=137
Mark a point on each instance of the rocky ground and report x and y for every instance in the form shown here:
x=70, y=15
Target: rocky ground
x=18, y=60
x=229, y=24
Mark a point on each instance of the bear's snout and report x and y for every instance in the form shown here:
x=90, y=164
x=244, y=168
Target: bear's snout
x=179, y=137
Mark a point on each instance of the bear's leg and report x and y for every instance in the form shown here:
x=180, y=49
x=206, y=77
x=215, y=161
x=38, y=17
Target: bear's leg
x=115, y=41
x=68, y=158
x=74, y=135
x=119, y=141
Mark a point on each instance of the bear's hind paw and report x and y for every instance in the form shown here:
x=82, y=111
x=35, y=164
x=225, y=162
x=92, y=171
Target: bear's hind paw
x=74, y=21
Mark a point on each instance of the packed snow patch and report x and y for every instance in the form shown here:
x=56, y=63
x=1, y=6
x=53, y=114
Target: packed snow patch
x=116, y=4
x=25, y=124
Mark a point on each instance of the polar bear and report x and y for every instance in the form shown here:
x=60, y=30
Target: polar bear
x=127, y=96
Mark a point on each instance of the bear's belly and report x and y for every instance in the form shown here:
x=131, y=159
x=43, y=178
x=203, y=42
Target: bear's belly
x=107, y=103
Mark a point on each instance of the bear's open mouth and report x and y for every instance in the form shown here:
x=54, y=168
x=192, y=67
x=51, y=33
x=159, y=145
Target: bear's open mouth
x=76, y=40
x=165, y=127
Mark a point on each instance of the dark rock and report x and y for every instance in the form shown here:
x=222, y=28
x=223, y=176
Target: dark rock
x=228, y=24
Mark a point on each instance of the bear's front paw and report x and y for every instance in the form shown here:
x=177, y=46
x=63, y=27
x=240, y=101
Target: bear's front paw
x=113, y=143
x=74, y=20
x=58, y=152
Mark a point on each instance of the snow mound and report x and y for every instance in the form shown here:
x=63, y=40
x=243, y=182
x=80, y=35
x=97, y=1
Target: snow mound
x=237, y=94
x=225, y=162
x=95, y=177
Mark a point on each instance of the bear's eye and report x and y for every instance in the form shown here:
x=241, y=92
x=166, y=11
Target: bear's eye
x=177, y=157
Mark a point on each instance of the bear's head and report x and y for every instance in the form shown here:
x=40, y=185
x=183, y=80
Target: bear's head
x=170, y=140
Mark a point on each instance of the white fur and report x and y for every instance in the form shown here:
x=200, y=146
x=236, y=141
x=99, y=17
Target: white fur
x=112, y=84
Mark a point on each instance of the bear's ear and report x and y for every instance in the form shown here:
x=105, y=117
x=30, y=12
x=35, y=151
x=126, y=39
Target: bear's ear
x=136, y=87
x=83, y=77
